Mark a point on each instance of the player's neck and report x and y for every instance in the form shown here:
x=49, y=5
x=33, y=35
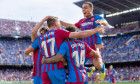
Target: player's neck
x=89, y=16
x=53, y=28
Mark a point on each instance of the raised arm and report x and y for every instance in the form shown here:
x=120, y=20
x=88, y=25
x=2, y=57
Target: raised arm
x=65, y=23
x=29, y=50
x=86, y=33
x=54, y=59
x=36, y=28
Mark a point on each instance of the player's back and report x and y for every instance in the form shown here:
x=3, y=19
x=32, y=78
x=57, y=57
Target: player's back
x=76, y=52
x=49, y=44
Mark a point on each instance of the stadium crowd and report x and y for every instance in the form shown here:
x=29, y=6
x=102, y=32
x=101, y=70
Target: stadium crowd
x=15, y=75
x=11, y=51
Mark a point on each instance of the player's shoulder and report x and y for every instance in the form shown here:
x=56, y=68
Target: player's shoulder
x=82, y=20
x=61, y=30
x=97, y=16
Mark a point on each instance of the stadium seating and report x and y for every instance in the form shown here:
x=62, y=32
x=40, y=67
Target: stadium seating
x=12, y=51
x=15, y=75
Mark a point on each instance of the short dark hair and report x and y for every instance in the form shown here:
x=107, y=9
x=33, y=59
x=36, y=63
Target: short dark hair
x=71, y=28
x=89, y=3
x=44, y=28
x=51, y=21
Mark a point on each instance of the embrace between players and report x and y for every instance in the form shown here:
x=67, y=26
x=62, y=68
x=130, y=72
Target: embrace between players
x=55, y=46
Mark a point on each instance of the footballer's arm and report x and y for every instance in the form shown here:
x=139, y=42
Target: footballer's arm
x=102, y=22
x=65, y=23
x=34, y=31
x=86, y=33
x=54, y=59
x=29, y=50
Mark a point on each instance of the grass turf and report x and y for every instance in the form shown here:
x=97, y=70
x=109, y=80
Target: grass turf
x=88, y=83
x=118, y=83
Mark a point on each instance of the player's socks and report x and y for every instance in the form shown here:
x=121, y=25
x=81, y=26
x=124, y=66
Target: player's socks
x=90, y=73
x=102, y=72
x=103, y=68
x=93, y=69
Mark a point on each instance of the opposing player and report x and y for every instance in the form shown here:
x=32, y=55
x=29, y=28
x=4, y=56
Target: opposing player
x=49, y=44
x=37, y=56
x=111, y=73
x=75, y=52
x=89, y=22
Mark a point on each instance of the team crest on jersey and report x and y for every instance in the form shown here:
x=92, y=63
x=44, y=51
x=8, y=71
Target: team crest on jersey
x=92, y=19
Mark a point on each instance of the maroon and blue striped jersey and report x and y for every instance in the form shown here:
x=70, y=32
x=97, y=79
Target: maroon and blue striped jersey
x=87, y=24
x=49, y=44
x=75, y=51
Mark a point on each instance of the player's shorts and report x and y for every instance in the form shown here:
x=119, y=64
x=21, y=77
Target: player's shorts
x=54, y=77
x=112, y=80
x=37, y=80
x=75, y=83
x=91, y=57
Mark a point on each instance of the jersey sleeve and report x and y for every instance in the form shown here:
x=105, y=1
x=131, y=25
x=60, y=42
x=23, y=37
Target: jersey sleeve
x=78, y=24
x=63, y=33
x=63, y=49
x=114, y=71
x=35, y=44
x=87, y=69
x=98, y=17
x=87, y=48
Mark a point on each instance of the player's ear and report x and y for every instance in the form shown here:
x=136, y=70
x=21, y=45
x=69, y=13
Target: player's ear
x=91, y=9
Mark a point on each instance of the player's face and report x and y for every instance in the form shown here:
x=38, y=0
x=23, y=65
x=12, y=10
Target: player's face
x=110, y=67
x=87, y=10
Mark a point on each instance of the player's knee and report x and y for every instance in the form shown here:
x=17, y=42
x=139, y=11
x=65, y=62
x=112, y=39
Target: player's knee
x=99, y=66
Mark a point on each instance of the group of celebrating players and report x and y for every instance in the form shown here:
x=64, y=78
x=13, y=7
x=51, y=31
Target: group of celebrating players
x=57, y=47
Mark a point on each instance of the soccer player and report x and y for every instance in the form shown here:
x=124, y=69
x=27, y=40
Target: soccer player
x=75, y=52
x=89, y=22
x=49, y=44
x=111, y=73
x=37, y=56
x=97, y=78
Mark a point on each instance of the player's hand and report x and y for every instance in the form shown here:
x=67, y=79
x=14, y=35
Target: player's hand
x=99, y=21
x=43, y=60
x=98, y=46
x=100, y=29
x=46, y=18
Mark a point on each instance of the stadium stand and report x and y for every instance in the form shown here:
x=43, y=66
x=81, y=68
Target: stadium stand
x=15, y=75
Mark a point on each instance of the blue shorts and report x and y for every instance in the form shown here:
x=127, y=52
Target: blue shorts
x=37, y=80
x=57, y=76
x=112, y=80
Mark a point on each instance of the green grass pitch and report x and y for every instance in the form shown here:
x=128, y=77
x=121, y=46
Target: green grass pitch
x=88, y=83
